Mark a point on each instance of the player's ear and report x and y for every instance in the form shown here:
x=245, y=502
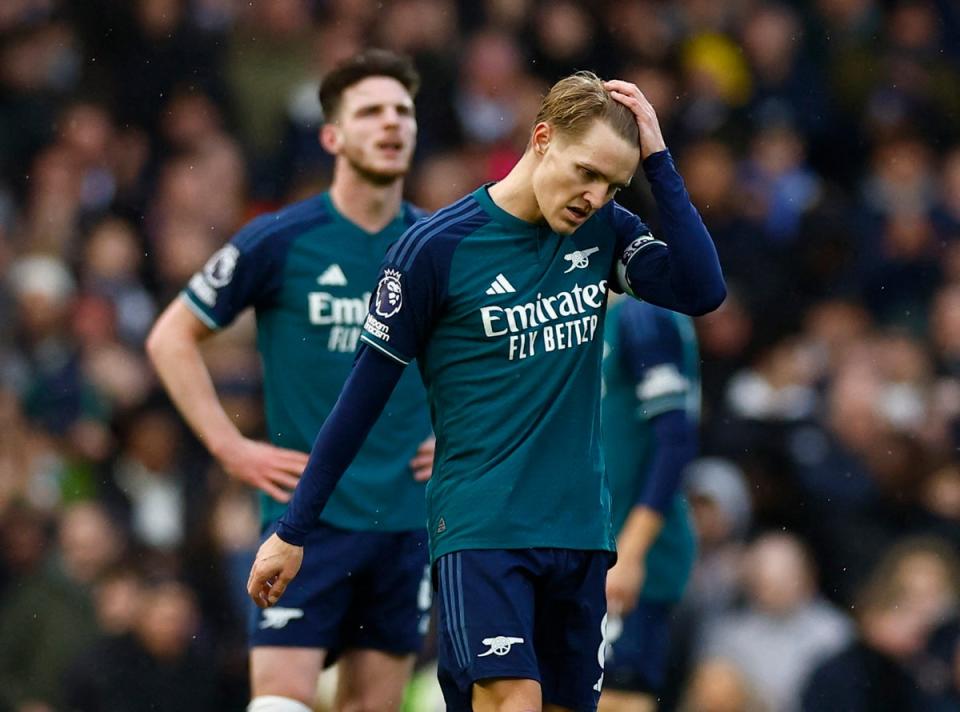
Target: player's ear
x=540, y=140
x=331, y=138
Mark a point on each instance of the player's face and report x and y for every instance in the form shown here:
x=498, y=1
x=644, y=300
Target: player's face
x=577, y=176
x=376, y=129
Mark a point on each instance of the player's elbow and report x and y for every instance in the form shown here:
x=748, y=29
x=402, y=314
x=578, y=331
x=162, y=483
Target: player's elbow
x=713, y=298
x=705, y=300
x=162, y=340
x=154, y=344
x=175, y=332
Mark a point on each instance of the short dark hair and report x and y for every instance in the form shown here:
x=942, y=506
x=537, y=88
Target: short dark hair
x=369, y=63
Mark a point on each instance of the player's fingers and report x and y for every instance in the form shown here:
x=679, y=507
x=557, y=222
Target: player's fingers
x=624, y=87
x=289, y=459
x=276, y=590
x=271, y=489
x=628, y=102
x=260, y=597
x=631, y=102
x=637, y=102
x=420, y=461
x=257, y=586
x=422, y=474
x=427, y=447
x=291, y=469
x=266, y=591
x=616, y=596
x=284, y=479
x=625, y=606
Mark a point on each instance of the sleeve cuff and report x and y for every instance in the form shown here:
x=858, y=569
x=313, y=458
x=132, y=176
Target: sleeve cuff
x=651, y=409
x=656, y=161
x=290, y=535
x=193, y=305
x=378, y=345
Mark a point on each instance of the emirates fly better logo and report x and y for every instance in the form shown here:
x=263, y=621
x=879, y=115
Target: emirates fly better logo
x=548, y=323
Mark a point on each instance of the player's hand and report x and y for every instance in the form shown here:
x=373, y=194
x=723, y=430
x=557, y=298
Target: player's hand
x=628, y=94
x=422, y=462
x=275, y=565
x=271, y=469
x=624, y=582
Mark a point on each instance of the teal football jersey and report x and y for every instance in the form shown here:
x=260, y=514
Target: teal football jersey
x=650, y=367
x=505, y=319
x=306, y=270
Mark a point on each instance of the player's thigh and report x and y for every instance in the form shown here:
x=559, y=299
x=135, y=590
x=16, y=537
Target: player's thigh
x=571, y=616
x=311, y=611
x=620, y=701
x=390, y=610
x=285, y=672
x=485, y=613
x=372, y=680
x=506, y=695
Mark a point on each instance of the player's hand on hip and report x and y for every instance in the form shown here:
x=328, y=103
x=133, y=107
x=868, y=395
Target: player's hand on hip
x=422, y=462
x=628, y=94
x=275, y=565
x=624, y=582
x=271, y=469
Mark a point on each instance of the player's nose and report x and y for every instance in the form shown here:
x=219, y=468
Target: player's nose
x=391, y=117
x=593, y=198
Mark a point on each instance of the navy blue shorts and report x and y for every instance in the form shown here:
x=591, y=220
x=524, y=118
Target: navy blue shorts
x=636, y=659
x=522, y=613
x=355, y=590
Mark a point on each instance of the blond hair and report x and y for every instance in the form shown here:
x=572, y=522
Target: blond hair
x=573, y=103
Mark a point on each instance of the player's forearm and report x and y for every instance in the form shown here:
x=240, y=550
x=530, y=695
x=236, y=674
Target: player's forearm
x=696, y=279
x=641, y=529
x=675, y=447
x=362, y=400
x=175, y=354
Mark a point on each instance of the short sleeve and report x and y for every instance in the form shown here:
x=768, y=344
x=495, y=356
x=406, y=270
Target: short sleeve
x=247, y=271
x=653, y=356
x=633, y=241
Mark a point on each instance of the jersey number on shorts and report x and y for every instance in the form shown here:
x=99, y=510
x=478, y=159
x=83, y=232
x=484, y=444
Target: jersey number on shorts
x=602, y=652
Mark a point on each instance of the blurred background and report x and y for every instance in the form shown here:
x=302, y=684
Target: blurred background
x=819, y=139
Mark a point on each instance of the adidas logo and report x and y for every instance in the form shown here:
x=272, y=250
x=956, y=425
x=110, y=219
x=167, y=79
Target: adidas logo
x=333, y=276
x=500, y=286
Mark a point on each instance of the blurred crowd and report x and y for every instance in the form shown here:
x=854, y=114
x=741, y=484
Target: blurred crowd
x=821, y=142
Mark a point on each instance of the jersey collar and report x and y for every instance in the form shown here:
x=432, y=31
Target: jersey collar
x=482, y=196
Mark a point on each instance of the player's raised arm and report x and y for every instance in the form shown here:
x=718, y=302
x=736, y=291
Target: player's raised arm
x=682, y=271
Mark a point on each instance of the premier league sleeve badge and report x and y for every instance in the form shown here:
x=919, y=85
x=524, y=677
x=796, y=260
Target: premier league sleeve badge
x=389, y=296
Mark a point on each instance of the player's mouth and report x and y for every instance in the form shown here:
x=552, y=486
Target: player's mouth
x=577, y=214
x=391, y=148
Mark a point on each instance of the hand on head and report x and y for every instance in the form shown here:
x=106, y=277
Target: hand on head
x=628, y=94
